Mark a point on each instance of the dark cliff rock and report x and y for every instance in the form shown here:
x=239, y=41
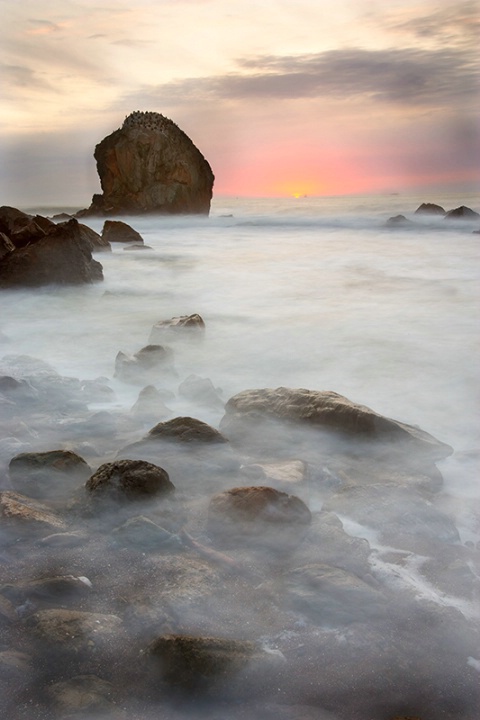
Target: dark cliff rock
x=150, y=165
x=62, y=257
x=121, y=232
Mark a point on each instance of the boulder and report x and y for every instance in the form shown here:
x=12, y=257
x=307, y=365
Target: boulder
x=185, y=430
x=257, y=516
x=150, y=165
x=48, y=475
x=96, y=242
x=120, y=232
x=22, y=515
x=462, y=213
x=253, y=416
x=399, y=221
x=201, y=391
x=429, y=209
x=146, y=365
x=150, y=405
x=191, y=327
x=53, y=590
x=21, y=228
x=63, y=257
x=129, y=480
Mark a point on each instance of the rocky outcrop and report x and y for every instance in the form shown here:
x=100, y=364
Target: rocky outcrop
x=149, y=165
x=62, y=257
x=429, y=209
x=121, y=232
x=191, y=327
x=463, y=213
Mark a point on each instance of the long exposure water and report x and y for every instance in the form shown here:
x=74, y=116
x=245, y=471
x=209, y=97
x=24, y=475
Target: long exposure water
x=314, y=293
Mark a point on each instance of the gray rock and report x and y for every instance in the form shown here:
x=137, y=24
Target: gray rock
x=48, y=475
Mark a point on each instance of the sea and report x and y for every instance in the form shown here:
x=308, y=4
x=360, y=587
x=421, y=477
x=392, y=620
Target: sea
x=311, y=292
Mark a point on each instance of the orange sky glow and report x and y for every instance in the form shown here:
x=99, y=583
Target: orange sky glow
x=310, y=98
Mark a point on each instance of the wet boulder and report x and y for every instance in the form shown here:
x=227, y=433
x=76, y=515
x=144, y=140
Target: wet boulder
x=201, y=391
x=259, y=517
x=52, y=590
x=62, y=257
x=129, y=480
x=150, y=405
x=116, y=231
x=50, y=475
x=95, y=241
x=186, y=430
x=186, y=327
x=142, y=534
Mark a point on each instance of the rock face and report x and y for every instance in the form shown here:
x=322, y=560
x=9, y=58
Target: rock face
x=121, y=232
x=62, y=257
x=463, y=212
x=429, y=209
x=149, y=165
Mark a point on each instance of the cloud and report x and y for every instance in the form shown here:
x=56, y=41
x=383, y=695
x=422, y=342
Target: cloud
x=44, y=27
x=409, y=77
x=21, y=76
x=456, y=23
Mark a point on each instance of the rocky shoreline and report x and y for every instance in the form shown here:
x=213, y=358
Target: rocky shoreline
x=156, y=566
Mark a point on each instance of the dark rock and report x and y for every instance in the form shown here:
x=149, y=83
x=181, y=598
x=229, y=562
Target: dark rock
x=48, y=475
x=430, y=209
x=135, y=247
x=54, y=590
x=150, y=165
x=249, y=413
x=63, y=257
x=12, y=219
x=190, y=327
x=186, y=430
x=463, y=213
x=399, y=221
x=129, y=480
x=6, y=245
x=199, y=664
x=258, y=516
x=93, y=240
x=120, y=232
x=147, y=365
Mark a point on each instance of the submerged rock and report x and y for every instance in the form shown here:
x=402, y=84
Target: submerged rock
x=150, y=165
x=53, y=475
x=147, y=365
x=23, y=516
x=253, y=416
x=191, y=327
x=258, y=516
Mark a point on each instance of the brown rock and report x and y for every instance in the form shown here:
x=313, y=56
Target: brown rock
x=190, y=327
x=62, y=257
x=185, y=429
x=259, y=516
x=6, y=245
x=121, y=232
x=150, y=165
x=429, y=209
x=22, y=515
x=322, y=411
x=48, y=475
x=130, y=479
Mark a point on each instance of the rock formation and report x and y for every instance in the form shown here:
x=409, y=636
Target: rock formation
x=150, y=165
x=63, y=256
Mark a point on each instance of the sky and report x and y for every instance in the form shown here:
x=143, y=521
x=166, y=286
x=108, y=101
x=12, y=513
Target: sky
x=283, y=97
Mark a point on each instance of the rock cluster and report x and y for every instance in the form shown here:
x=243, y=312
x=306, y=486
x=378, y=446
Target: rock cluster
x=34, y=251
x=149, y=165
x=269, y=567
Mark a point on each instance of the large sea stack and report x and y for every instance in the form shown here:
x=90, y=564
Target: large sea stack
x=149, y=165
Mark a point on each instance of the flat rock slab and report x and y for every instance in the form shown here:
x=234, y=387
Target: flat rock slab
x=23, y=515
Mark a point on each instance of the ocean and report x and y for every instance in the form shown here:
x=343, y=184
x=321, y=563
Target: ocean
x=315, y=293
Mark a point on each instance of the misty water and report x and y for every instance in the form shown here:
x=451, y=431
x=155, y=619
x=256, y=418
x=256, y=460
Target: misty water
x=313, y=293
